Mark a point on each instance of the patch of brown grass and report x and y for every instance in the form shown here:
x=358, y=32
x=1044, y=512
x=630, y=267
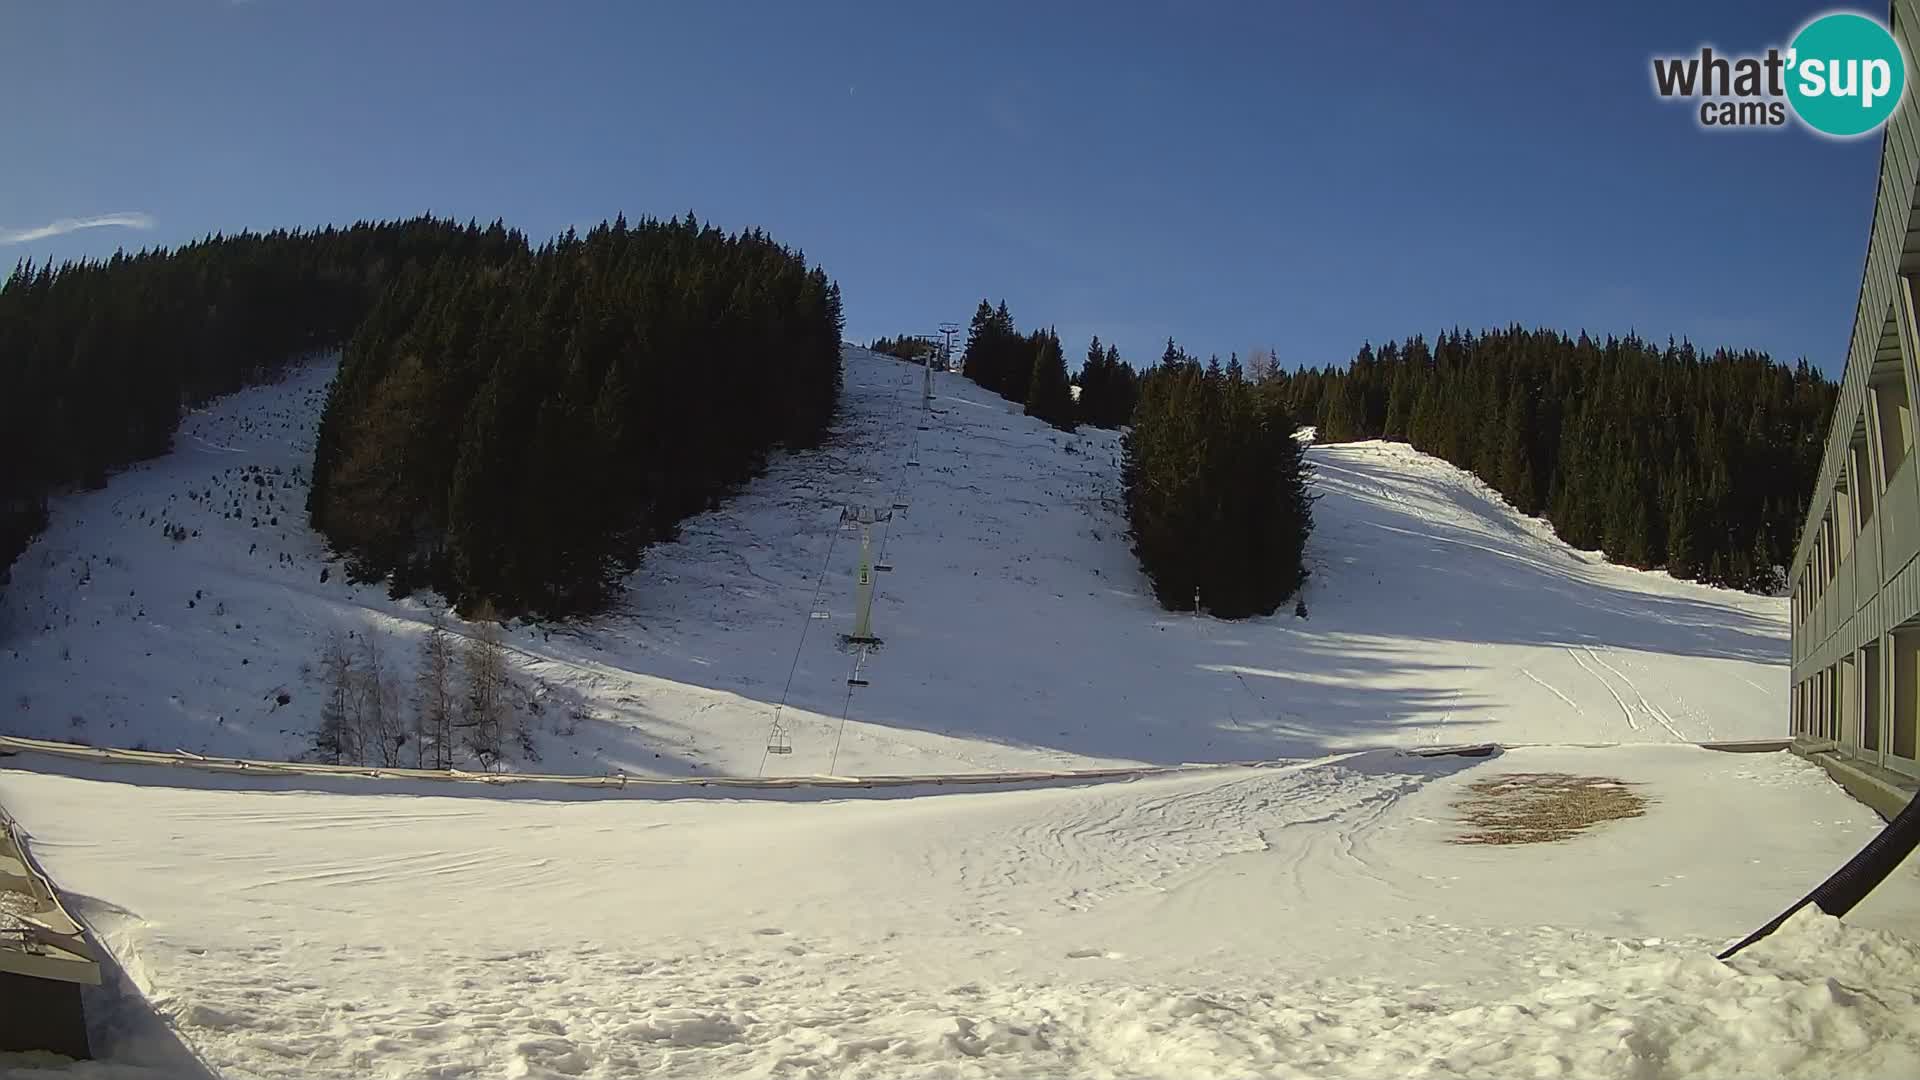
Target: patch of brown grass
x=1541, y=808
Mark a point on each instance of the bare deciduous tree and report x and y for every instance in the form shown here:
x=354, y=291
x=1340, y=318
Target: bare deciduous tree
x=1262, y=364
x=485, y=664
x=434, y=704
x=382, y=738
x=360, y=721
x=335, y=739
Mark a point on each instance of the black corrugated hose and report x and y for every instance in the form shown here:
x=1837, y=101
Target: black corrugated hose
x=1851, y=883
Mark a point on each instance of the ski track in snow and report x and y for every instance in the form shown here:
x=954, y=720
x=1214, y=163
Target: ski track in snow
x=1617, y=699
x=1653, y=712
x=1555, y=691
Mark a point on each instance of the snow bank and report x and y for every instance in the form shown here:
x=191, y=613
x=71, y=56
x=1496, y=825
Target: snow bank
x=1632, y=1011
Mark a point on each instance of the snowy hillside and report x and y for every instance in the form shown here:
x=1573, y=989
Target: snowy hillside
x=1016, y=627
x=1017, y=631
x=1338, y=911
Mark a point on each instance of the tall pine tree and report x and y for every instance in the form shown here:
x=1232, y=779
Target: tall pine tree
x=1049, y=396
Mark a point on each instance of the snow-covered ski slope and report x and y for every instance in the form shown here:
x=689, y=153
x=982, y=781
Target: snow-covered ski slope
x=1308, y=918
x=1018, y=632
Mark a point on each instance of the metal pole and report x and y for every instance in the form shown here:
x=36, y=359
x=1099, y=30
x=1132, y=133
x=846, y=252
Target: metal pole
x=947, y=332
x=863, y=589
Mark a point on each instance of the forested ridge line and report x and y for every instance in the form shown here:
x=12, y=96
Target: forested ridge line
x=1698, y=462
x=666, y=358
x=517, y=433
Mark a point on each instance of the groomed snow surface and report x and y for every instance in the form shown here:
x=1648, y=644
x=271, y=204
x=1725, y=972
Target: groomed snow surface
x=1298, y=920
x=1312, y=917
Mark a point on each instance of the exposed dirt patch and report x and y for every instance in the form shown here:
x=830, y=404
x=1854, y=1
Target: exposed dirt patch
x=1541, y=808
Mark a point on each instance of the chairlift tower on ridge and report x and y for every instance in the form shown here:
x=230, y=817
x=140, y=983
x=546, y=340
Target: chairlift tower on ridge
x=948, y=331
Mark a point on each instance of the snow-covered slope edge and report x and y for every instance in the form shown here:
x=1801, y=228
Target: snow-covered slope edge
x=1018, y=632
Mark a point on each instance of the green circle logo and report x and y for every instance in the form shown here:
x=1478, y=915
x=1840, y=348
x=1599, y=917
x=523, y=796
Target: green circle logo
x=1845, y=74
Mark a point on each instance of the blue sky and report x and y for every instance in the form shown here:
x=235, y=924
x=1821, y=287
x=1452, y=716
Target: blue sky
x=1305, y=176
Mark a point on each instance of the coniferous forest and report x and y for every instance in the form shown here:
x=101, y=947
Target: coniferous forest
x=98, y=358
x=514, y=432
x=509, y=425
x=489, y=392
x=1216, y=491
x=1696, y=462
x=1049, y=391
x=997, y=355
x=911, y=349
x=1108, y=387
x=1701, y=463
x=1215, y=483
x=1007, y=362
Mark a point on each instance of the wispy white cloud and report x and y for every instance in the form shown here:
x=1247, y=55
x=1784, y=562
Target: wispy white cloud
x=67, y=225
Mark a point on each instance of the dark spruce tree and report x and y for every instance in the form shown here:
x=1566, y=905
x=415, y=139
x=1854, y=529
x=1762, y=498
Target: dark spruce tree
x=1216, y=492
x=1108, y=387
x=1125, y=389
x=1049, y=395
x=997, y=356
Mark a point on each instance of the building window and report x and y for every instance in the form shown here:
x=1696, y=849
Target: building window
x=1906, y=692
x=1859, y=463
x=1846, y=712
x=1843, y=525
x=1870, y=698
x=1896, y=422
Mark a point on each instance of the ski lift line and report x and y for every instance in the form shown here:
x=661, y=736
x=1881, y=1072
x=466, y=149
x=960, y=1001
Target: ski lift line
x=775, y=729
x=900, y=496
x=819, y=586
x=846, y=706
x=779, y=742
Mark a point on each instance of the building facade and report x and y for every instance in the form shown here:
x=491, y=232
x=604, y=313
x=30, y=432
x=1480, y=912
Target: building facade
x=1855, y=581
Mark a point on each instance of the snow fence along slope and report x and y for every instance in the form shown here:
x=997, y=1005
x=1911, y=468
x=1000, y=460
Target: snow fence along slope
x=1018, y=632
x=1293, y=921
